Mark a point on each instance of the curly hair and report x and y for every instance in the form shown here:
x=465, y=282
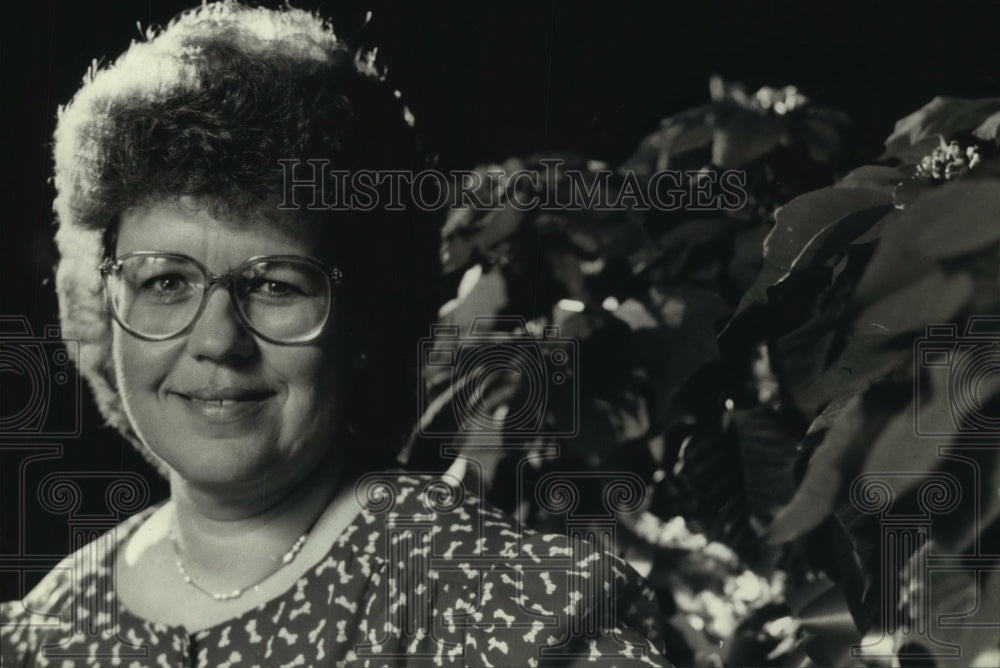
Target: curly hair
x=207, y=107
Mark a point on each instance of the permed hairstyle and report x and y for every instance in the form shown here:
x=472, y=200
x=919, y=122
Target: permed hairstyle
x=207, y=107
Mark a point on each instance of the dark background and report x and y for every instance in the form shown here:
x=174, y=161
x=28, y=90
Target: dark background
x=485, y=80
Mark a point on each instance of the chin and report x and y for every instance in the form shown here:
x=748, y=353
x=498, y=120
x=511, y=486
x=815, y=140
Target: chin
x=239, y=462
x=220, y=461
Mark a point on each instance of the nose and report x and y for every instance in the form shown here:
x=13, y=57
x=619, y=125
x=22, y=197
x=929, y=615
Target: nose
x=218, y=334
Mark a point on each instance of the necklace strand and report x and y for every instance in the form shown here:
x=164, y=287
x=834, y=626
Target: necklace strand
x=236, y=593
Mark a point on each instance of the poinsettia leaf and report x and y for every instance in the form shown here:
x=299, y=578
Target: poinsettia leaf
x=859, y=556
x=952, y=220
x=876, y=346
x=488, y=297
x=674, y=366
x=957, y=218
x=874, y=234
x=498, y=224
x=797, y=223
x=971, y=408
x=673, y=337
x=636, y=315
x=692, y=251
x=900, y=448
x=565, y=269
x=908, y=190
x=910, y=156
x=628, y=418
x=893, y=265
x=800, y=358
x=480, y=234
x=835, y=236
x=975, y=522
x=680, y=138
x=603, y=234
x=769, y=449
x=872, y=177
x=456, y=254
x=823, y=484
x=941, y=116
x=597, y=444
x=685, y=235
x=935, y=298
x=990, y=129
x=713, y=490
x=724, y=91
x=703, y=308
x=463, y=217
x=678, y=134
x=864, y=362
x=745, y=137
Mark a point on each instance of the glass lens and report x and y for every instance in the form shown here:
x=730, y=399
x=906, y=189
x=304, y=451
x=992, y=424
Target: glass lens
x=156, y=295
x=286, y=300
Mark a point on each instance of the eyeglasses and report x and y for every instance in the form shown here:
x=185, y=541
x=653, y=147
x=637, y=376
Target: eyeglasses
x=283, y=299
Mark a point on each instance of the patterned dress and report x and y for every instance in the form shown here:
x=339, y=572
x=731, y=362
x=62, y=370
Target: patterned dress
x=422, y=576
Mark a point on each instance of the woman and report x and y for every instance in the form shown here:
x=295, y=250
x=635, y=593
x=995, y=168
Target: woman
x=250, y=348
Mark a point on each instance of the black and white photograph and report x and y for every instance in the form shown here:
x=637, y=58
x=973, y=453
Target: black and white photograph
x=371, y=333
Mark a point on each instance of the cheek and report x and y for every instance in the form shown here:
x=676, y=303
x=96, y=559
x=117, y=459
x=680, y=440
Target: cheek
x=139, y=370
x=139, y=366
x=313, y=403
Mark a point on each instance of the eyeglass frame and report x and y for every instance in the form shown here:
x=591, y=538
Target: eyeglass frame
x=112, y=265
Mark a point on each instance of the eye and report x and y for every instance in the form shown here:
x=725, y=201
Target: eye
x=281, y=282
x=165, y=283
x=269, y=288
x=276, y=288
x=165, y=288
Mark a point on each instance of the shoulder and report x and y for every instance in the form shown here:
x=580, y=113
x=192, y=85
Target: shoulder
x=458, y=519
x=513, y=591
x=67, y=594
x=454, y=516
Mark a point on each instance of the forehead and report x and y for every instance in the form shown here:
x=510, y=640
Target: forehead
x=191, y=226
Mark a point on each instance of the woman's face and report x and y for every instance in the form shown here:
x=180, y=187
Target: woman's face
x=220, y=406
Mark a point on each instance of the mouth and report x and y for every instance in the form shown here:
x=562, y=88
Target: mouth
x=224, y=398
x=223, y=405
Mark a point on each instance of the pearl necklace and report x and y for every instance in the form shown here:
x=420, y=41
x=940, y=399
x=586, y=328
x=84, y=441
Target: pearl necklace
x=236, y=593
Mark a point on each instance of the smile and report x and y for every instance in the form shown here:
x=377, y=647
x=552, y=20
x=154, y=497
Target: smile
x=215, y=402
x=223, y=407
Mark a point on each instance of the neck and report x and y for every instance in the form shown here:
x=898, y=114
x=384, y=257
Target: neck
x=229, y=541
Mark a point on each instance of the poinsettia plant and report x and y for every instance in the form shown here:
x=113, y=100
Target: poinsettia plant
x=877, y=308
x=785, y=142
x=641, y=292
x=775, y=456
